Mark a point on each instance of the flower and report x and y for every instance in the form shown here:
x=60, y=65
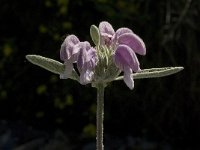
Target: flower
x=74, y=51
x=125, y=44
x=69, y=54
x=86, y=62
x=114, y=52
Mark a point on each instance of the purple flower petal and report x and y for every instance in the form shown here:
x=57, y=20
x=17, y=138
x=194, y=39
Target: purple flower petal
x=68, y=70
x=134, y=42
x=86, y=76
x=68, y=54
x=120, y=32
x=67, y=50
x=106, y=28
x=106, y=31
x=86, y=62
x=83, y=58
x=128, y=79
x=125, y=56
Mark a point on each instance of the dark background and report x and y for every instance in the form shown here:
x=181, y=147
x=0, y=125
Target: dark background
x=162, y=113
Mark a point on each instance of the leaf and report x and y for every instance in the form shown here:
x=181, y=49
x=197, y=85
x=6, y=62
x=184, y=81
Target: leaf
x=58, y=68
x=46, y=63
x=95, y=35
x=154, y=73
x=51, y=65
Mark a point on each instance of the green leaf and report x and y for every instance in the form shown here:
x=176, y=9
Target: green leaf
x=154, y=73
x=95, y=35
x=46, y=63
x=50, y=65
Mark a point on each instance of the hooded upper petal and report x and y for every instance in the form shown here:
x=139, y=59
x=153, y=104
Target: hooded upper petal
x=106, y=31
x=134, y=42
x=86, y=62
x=69, y=55
x=120, y=32
x=127, y=61
x=86, y=56
x=106, y=28
x=67, y=50
x=125, y=56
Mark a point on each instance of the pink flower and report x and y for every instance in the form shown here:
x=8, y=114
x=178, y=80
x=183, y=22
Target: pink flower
x=114, y=52
x=86, y=62
x=68, y=54
x=125, y=44
x=74, y=51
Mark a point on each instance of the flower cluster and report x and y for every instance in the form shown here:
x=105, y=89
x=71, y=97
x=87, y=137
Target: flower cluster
x=74, y=51
x=114, y=52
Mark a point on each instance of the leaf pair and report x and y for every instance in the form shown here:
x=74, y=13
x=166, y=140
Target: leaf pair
x=58, y=68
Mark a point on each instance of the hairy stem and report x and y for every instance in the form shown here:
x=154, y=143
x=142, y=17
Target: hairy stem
x=100, y=116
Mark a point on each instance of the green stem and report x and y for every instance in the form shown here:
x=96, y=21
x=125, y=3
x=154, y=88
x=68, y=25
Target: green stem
x=100, y=116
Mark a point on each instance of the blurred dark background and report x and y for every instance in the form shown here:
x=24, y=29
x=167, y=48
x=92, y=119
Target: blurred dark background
x=38, y=108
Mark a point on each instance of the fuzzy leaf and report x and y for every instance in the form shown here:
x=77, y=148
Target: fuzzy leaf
x=154, y=73
x=95, y=35
x=50, y=65
x=46, y=63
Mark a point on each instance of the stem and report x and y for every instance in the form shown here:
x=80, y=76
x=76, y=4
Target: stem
x=100, y=116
